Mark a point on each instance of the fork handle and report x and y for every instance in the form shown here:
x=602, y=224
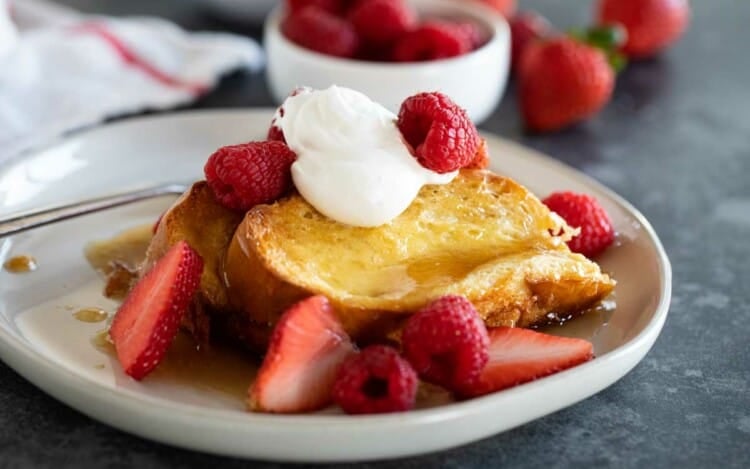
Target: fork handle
x=34, y=219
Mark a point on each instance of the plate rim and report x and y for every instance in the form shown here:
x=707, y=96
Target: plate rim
x=43, y=371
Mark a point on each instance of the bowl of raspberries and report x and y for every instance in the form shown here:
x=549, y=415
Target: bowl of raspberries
x=390, y=49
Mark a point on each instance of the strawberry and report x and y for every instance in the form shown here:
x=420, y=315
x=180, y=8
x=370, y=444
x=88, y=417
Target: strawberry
x=563, y=81
x=525, y=28
x=306, y=348
x=521, y=355
x=506, y=7
x=148, y=319
x=651, y=25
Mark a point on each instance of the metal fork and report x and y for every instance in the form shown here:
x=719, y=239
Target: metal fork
x=34, y=219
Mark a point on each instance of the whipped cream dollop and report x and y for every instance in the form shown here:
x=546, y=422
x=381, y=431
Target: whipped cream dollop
x=352, y=164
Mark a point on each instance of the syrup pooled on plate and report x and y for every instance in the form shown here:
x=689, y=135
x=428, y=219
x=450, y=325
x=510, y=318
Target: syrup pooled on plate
x=127, y=248
x=91, y=315
x=118, y=259
x=217, y=368
x=20, y=264
x=587, y=324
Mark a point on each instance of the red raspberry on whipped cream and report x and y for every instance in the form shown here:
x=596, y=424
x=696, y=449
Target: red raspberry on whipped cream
x=352, y=163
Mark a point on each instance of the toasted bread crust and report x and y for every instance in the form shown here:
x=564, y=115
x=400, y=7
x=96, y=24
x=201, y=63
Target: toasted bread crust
x=513, y=280
x=207, y=226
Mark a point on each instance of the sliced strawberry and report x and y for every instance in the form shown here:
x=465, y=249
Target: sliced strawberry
x=521, y=355
x=147, y=320
x=306, y=349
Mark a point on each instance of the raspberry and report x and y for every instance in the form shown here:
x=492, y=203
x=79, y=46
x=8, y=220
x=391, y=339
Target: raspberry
x=321, y=31
x=242, y=176
x=446, y=342
x=375, y=381
x=472, y=32
x=275, y=133
x=482, y=158
x=337, y=7
x=381, y=22
x=431, y=41
x=584, y=212
x=443, y=137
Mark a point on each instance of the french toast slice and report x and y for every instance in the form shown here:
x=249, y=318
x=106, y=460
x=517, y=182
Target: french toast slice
x=482, y=236
x=207, y=226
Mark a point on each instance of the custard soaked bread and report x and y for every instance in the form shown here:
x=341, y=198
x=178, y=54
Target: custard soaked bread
x=482, y=236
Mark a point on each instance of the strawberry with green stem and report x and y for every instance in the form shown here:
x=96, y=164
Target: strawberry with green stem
x=567, y=79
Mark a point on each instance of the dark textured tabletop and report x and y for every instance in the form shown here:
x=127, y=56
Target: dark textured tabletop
x=674, y=141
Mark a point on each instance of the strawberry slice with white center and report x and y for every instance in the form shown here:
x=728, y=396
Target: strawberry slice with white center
x=520, y=355
x=306, y=349
x=148, y=319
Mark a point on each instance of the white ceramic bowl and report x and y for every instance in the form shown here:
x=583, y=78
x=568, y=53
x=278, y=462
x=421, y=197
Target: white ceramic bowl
x=475, y=80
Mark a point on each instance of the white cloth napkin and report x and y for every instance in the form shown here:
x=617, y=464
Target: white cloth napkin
x=61, y=70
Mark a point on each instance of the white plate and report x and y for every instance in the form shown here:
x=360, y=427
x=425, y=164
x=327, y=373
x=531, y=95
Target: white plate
x=40, y=339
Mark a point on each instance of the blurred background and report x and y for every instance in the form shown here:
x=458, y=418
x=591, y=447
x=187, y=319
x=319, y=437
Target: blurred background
x=674, y=140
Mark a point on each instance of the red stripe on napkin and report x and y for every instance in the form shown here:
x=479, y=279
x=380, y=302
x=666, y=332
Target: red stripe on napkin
x=132, y=59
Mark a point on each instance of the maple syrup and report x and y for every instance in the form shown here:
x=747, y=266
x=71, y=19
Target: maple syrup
x=127, y=249
x=20, y=264
x=91, y=315
x=217, y=368
x=103, y=342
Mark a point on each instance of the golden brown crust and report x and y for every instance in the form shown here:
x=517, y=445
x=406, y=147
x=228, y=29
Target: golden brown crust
x=504, y=260
x=207, y=226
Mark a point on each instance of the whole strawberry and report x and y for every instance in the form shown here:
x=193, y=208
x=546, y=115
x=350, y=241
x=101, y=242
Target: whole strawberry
x=563, y=81
x=506, y=7
x=583, y=211
x=525, y=28
x=651, y=25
